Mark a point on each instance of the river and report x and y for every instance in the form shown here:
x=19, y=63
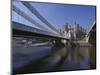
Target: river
x=53, y=58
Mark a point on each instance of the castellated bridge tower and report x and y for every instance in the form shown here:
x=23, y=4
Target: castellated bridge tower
x=65, y=30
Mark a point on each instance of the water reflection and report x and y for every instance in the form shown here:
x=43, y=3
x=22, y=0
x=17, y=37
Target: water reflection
x=72, y=57
x=63, y=58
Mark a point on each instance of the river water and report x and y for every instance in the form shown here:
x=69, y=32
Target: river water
x=53, y=58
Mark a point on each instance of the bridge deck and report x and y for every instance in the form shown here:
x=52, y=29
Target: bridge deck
x=21, y=29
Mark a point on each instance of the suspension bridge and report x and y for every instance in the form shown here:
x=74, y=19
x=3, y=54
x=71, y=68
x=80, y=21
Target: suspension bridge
x=23, y=30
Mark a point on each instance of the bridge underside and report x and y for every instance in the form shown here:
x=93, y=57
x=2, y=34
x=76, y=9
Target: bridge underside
x=20, y=33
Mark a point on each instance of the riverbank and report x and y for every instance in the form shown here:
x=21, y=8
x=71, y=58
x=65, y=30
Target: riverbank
x=82, y=43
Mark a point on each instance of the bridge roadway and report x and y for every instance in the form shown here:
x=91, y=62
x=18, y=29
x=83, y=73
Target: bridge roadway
x=23, y=30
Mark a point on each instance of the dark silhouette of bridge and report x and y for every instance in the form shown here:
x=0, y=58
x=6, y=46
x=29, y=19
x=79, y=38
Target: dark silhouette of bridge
x=91, y=34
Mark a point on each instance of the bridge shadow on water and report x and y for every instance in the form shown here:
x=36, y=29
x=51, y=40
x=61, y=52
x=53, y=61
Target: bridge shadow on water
x=62, y=58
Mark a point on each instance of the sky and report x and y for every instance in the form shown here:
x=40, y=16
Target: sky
x=58, y=14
